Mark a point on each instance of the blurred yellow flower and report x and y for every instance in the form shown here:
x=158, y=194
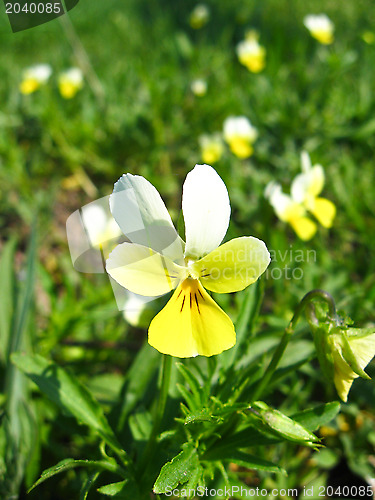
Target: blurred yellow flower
x=70, y=82
x=288, y=210
x=251, y=54
x=199, y=87
x=240, y=135
x=199, y=16
x=306, y=188
x=156, y=260
x=320, y=27
x=212, y=148
x=304, y=197
x=34, y=77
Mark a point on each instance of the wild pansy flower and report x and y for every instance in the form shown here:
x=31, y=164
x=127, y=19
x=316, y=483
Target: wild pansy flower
x=156, y=260
x=320, y=27
x=250, y=53
x=305, y=189
x=34, y=77
x=70, y=82
x=199, y=87
x=288, y=210
x=212, y=147
x=240, y=135
x=199, y=16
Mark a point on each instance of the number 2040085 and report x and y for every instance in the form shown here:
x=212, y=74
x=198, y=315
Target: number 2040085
x=33, y=8
x=346, y=491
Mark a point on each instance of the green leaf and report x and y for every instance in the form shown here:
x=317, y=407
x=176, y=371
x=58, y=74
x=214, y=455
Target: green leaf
x=251, y=462
x=178, y=471
x=314, y=418
x=70, y=463
x=203, y=415
x=141, y=374
x=193, y=382
x=113, y=489
x=88, y=484
x=68, y=393
x=7, y=287
x=125, y=490
x=188, y=397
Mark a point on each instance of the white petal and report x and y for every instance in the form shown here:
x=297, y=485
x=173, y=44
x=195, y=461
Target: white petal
x=305, y=161
x=143, y=218
x=143, y=271
x=300, y=187
x=239, y=126
x=206, y=209
x=308, y=185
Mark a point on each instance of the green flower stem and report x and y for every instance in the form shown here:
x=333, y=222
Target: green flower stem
x=289, y=330
x=150, y=447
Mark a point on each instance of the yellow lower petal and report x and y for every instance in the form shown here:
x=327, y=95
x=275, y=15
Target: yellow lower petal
x=323, y=36
x=29, y=85
x=304, y=227
x=233, y=266
x=212, y=153
x=68, y=89
x=191, y=323
x=324, y=210
x=254, y=63
x=241, y=147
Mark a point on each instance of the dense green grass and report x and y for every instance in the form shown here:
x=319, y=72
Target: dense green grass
x=148, y=122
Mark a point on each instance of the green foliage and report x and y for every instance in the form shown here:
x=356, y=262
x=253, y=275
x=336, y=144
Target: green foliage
x=64, y=389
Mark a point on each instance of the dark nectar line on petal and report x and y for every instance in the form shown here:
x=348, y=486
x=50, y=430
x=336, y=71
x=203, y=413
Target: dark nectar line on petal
x=196, y=301
x=183, y=302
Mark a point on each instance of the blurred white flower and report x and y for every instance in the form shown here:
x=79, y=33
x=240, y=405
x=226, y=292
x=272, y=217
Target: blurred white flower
x=34, y=77
x=240, y=135
x=290, y=211
x=199, y=87
x=251, y=54
x=199, y=16
x=306, y=188
x=320, y=27
x=70, y=82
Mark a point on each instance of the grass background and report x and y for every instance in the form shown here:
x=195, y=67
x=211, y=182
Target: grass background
x=57, y=155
